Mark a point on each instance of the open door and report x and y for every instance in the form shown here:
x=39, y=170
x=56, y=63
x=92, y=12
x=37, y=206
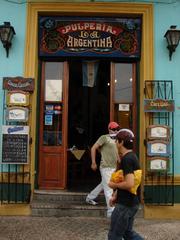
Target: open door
x=53, y=126
x=88, y=118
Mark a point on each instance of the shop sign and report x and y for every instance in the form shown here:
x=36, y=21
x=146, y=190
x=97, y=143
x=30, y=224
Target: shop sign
x=18, y=98
x=158, y=131
x=83, y=36
x=15, y=144
x=48, y=120
x=17, y=114
x=158, y=148
x=158, y=105
x=18, y=83
x=49, y=107
x=157, y=164
x=124, y=107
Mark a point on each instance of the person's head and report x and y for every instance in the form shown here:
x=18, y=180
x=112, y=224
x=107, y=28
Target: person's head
x=113, y=128
x=125, y=138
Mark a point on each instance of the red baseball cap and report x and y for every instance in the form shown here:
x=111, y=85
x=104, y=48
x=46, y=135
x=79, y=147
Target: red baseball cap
x=113, y=125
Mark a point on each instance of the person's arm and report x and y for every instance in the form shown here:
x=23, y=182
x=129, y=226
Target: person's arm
x=113, y=198
x=94, y=148
x=126, y=184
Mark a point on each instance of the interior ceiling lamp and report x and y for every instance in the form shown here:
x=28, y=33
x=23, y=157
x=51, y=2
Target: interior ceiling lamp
x=6, y=35
x=172, y=36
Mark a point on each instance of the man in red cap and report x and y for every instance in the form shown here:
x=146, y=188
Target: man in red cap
x=109, y=156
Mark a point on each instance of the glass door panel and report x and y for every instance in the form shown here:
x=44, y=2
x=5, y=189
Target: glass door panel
x=53, y=126
x=52, y=133
x=123, y=94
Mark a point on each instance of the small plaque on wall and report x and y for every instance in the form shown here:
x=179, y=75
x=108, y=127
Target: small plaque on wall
x=158, y=148
x=17, y=114
x=18, y=83
x=17, y=98
x=158, y=132
x=159, y=105
x=157, y=164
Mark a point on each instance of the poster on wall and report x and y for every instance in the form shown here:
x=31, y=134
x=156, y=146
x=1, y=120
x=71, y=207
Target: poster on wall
x=48, y=120
x=53, y=90
x=15, y=144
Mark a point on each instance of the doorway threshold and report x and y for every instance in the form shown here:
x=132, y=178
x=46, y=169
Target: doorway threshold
x=59, y=191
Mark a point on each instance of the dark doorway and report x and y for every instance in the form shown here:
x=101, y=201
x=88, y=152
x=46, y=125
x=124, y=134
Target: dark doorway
x=88, y=117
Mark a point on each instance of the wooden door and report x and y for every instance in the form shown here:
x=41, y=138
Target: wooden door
x=53, y=126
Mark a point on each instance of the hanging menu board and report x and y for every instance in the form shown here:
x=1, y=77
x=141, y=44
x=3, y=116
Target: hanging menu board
x=15, y=144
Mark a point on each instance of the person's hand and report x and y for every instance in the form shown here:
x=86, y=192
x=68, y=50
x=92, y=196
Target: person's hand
x=94, y=166
x=112, y=201
x=112, y=185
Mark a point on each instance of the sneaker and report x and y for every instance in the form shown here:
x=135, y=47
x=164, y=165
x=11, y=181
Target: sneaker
x=90, y=201
x=109, y=215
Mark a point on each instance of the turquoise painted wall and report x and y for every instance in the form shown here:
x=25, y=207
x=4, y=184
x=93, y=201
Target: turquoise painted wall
x=12, y=66
x=166, y=13
x=165, y=16
x=16, y=15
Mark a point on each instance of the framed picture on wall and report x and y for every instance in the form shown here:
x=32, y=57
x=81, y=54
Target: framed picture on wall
x=157, y=164
x=53, y=90
x=158, y=148
x=17, y=114
x=17, y=98
x=158, y=132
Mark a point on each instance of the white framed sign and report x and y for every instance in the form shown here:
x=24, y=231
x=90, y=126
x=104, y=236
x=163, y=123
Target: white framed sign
x=158, y=148
x=18, y=98
x=157, y=164
x=158, y=132
x=17, y=114
x=124, y=107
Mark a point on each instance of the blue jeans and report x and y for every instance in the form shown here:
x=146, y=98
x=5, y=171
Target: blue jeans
x=122, y=220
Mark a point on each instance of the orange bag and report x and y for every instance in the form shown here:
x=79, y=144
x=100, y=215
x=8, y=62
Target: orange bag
x=118, y=176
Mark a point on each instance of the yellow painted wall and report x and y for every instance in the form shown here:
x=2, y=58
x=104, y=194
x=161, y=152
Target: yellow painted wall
x=98, y=9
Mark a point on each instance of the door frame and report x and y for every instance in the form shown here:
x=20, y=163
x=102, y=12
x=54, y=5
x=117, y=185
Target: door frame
x=91, y=8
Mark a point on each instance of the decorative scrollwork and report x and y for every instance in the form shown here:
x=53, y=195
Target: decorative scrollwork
x=126, y=43
x=52, y=42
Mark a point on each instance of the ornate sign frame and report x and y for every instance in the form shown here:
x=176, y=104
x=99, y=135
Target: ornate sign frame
x=18, y=83
x=157, y=164
x=17, y=98
x=158, y=148
x=17, y=114
x=155, y=132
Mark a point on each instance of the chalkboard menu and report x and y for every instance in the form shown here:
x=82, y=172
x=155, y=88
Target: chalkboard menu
x=15, y=144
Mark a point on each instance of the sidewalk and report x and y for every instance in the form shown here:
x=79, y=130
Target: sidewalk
x=52, y=228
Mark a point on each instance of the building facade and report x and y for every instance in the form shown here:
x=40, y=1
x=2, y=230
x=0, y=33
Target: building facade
x=79, y=65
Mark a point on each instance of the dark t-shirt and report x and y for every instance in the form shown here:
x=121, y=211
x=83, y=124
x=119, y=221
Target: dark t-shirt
x=129, y=163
